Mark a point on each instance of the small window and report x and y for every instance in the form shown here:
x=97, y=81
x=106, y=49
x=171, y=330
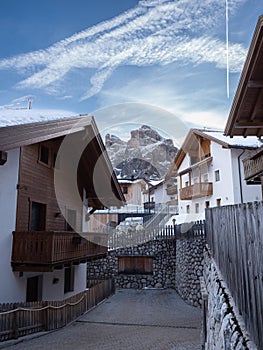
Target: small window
x=197, y=208
x=44, y=154
x=186, y=183
x=188, y=209
x=207, y=204
x=125, y=189
x=217, y=175
x=69, y=279
x=218, y=202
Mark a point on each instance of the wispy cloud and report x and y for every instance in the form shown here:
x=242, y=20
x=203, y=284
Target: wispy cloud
x=155, y=32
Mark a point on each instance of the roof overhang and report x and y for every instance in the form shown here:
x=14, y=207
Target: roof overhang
x=246, y=114
x=81, y=130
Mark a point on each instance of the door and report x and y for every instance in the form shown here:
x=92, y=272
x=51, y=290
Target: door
x=38, y=217
x=34, y=288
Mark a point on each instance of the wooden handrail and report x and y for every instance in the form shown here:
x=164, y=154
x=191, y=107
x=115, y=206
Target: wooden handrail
x=196, y=190
x=49, y=247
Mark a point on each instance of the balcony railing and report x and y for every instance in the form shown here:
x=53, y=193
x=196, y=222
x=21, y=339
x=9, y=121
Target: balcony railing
x=44, y=251
x=171, y=190
x=196, y=190
x=253, y=167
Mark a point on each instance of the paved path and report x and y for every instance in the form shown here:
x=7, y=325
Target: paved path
x=129, y=320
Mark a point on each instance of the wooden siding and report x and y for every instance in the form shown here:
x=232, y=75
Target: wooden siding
x=36, y=184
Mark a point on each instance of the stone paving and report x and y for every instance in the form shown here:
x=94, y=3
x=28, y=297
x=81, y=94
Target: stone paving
x=129, y=320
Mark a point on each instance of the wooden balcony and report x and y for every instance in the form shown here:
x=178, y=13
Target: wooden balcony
x=253, y=168
x=171, y=190
x=46, y=251
x=196, y=190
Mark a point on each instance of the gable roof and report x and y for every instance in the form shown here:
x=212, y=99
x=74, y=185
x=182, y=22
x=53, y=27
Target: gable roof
x=212, y=135
x=20, y=135
x=245, y=117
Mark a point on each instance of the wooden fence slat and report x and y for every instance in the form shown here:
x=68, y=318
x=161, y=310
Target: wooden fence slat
x=235, y=237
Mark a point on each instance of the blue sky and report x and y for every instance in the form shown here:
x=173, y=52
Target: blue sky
x=156, y=62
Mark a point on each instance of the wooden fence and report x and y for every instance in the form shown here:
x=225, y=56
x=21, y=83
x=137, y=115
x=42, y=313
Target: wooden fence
x=134, y=237
x=235, y=237
x=20, y=319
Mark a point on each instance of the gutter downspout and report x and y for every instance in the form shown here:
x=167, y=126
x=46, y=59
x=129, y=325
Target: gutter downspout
x=239, y=173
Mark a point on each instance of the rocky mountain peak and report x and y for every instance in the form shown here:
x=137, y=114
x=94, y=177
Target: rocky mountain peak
x=145, y=155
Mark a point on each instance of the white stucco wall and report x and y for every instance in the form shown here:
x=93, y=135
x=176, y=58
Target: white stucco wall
x=11, y=286
x=55, y=291
x=227, y=188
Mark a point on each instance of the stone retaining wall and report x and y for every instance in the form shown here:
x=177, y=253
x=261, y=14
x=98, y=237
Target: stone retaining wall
x=223, y=327
x=163, y=253
x=177, y=264
x=189, y=268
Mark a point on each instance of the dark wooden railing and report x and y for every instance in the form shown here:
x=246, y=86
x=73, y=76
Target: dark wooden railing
x=171, y=190
x=234, y=235
x=20, y=319
x=41, y=251
x=253, y=166
x=196, y=190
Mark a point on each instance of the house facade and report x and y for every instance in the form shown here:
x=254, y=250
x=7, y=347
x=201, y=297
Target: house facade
x=210, y=173
x=44, y=245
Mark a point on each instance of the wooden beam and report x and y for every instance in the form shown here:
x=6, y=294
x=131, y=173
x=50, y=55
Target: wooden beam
x=249, y=125
x=254, y=84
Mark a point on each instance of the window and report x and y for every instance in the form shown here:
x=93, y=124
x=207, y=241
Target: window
x=217, y=175
x=186, y=183
x=133, y=265
x=197, y=208
x=188, y=209
x=38, y=217
x=207, y=204
x=44, y=154
x=69, y=279
x=125, y=189
x=218, y=202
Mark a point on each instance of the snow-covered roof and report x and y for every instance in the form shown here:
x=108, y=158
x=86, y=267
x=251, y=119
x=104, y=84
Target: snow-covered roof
x=12, y=117
x=250, y=141
x=123, y=181
x=155, y=182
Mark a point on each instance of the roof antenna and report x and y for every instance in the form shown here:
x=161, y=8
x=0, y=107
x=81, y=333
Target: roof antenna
x=29, y=103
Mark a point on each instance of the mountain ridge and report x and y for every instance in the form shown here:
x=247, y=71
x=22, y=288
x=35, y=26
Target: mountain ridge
x=146, y=154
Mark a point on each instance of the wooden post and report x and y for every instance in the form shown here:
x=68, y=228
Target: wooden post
x=15, y=323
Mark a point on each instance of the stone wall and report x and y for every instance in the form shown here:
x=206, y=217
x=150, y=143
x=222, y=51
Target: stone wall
x=163, y=253
x=223, y=326
x=177, y=264
x=189, y=268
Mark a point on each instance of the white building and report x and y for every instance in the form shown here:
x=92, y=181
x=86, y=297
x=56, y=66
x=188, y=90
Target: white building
x=210, y=173
x=43, y=253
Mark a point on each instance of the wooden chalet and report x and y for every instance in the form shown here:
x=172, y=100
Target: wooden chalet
x=246, y=114
x=47, y=236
